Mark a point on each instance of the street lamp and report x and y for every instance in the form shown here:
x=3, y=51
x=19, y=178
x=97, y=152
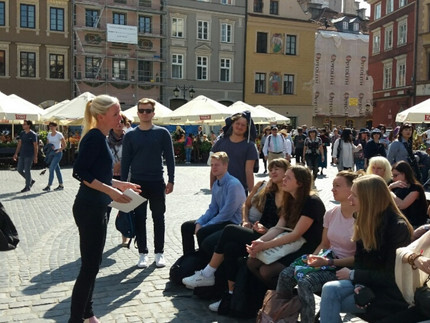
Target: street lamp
x=184, y=89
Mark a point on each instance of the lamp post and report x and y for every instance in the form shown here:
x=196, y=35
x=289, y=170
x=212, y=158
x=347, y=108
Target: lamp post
x=184, y=89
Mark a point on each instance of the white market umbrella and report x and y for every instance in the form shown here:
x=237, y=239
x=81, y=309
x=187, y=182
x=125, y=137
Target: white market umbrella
x=70, y=113
x=200, y=110
x=259, y=116
x=54, y=107
x=278, y=118
x=13, y=108
x=160, y=111
x=419, y=113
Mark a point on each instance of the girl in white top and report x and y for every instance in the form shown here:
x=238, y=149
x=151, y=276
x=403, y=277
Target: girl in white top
x=58, y=145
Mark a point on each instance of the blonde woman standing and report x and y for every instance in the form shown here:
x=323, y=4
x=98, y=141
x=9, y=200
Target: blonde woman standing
x=93, y=168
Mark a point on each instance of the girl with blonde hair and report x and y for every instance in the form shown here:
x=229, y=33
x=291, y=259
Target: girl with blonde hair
x=380, y=228
x=93, y=168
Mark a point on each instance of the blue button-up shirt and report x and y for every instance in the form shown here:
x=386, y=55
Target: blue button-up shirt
x=228, y=197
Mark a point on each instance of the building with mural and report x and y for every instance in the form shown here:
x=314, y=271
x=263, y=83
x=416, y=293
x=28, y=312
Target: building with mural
x=279, y=55
x=342, y=91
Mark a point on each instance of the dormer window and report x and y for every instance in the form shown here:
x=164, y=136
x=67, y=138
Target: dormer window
x=356, y=27
x=345, y=25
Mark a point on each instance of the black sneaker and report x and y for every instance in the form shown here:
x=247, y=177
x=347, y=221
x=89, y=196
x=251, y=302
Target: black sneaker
x=224, y=305
x=25, y=189
x=32, y=182
x=47, y=188
x=59, y=188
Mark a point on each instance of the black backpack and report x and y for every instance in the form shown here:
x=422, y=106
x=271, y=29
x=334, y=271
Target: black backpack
x=8, y=234
x=125, y=223
x=186, y=265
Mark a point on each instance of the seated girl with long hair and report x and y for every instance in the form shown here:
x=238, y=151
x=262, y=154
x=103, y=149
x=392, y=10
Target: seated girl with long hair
x=337, y=234
x=380, y=228
x=409, y=194
x=303, y=213
x=233, y=240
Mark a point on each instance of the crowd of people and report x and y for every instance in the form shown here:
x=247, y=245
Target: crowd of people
x=346, y=254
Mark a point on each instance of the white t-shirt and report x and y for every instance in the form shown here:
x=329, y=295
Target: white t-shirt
x=55, y=140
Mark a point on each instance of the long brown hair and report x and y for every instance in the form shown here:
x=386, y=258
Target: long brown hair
x=260, y=196
x=293, y=205
x=374, y=200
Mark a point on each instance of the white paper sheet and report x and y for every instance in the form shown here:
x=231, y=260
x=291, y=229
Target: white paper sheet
x=136, y=200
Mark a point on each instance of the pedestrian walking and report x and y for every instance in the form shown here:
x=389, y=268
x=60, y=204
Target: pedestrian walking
x=56, y=139
x=27, y=149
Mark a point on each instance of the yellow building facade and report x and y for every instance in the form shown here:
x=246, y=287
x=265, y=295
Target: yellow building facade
x=280, y=46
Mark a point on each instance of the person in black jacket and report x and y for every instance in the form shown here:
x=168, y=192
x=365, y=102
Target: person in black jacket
x=374, y=147
x=380, y=229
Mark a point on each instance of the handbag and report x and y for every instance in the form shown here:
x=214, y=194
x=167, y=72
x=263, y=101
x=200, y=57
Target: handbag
x=422, y=298
x=276, y=309
x=271, y=255
x=8, y=234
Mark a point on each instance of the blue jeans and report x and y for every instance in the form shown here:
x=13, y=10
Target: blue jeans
x=155, y=192
x=55, y=166
x=359, y=164
x=24, y=166
x=337, y=297
x=188, y=154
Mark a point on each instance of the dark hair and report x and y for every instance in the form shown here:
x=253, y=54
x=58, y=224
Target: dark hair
x=28, y=122
x=404, y=126
x=294, y=205
x=346, y=135
x=404, y=168
x=52, y=123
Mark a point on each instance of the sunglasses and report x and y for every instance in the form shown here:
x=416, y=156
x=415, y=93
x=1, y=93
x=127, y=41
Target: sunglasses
x=147, y=111
x=122, y=121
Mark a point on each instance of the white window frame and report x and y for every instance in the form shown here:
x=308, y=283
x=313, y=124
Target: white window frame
x=286, y=78
x=378, y=11
x=388, y=37
x=401, y=71
x=28, y=48
x=389, y=6
x=345, y=25
x=202, y=63
x=402, y=31
x=178, y=61
x=387, y=80
x=225, y=65
x=5, y=47
x=203, y=29
x=226, y=33
x=376, y=41
x=227, y=2
x=402, y=3
x=178, y=27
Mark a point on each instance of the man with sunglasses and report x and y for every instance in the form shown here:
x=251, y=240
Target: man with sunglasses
x=142, y=155
x=27, y=149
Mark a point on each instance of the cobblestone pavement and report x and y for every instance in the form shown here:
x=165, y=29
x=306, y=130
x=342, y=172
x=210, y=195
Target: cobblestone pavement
x=37, y=278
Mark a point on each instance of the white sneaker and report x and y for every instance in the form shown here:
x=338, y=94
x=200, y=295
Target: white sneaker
x=143, y=260
x=159, y=260
x=214, y=306
x=198, y=280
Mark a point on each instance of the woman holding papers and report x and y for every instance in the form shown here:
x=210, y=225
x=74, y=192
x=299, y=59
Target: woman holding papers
x=93, y=168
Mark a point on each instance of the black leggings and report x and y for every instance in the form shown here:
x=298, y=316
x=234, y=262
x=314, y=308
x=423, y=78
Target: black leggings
x=232, y=244
x=92, y=223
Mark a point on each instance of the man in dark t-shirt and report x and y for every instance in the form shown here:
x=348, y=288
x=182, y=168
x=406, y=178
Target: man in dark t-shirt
x=27, y=149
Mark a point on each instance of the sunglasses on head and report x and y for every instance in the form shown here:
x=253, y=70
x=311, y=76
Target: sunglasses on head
x=147, y=111
x=122, y=121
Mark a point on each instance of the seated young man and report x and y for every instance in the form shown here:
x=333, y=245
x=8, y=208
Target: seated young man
x=225, y=208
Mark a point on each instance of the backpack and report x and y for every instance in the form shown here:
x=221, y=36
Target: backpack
x=8, y=234
x=276, y=309
x=125, y=223
x=186, y=265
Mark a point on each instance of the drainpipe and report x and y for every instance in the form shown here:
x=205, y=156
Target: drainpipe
x=414, y=80
x=244, y=53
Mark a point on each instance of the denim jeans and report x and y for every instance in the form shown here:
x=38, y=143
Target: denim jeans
x=24, y=167
x=188, y=154
x=55, y=166
x=92, y=223
x=155, y=192
x=337, y=297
